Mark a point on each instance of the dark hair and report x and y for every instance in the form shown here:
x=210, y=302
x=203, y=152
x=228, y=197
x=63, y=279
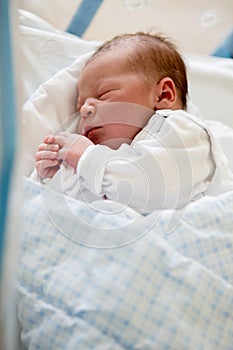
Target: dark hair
x=153, y=56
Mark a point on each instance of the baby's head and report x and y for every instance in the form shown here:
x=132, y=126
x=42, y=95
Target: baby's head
x=142, y=70
x=150, y=56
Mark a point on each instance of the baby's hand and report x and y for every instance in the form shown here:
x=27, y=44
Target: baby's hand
x=72, y=147
x=47, y=163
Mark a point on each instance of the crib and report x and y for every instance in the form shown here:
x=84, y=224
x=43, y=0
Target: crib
x=99, y=277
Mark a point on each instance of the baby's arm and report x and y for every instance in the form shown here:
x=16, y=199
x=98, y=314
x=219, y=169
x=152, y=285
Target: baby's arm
x=167, y=167
x=47, y=163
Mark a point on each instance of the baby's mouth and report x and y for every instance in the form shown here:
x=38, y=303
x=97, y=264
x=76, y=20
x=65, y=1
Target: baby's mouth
x=90, y=130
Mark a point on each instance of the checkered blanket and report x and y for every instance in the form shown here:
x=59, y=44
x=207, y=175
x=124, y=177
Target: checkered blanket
x=101, y=276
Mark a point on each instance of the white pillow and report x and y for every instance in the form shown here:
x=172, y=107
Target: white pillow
x=211, y=86
x=225, y=136
x=49, y=108
x=44, y=51
x=50, y=64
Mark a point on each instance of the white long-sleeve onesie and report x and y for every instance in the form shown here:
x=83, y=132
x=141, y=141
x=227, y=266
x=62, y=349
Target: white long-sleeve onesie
x=175, y=159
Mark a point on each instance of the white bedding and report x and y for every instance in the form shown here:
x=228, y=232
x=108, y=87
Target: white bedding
x=100, y=277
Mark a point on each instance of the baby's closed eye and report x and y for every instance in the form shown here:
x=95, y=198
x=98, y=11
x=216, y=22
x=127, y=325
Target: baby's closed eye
x=105, y=94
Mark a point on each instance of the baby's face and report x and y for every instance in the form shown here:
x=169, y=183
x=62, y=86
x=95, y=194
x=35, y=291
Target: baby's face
x=104, y=83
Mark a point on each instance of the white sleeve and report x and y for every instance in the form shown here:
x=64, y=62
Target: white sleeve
x=164, y=168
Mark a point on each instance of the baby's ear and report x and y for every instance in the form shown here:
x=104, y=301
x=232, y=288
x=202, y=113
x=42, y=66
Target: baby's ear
x=166, y=94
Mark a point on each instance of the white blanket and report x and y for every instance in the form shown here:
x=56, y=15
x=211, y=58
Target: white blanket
x=99, y=278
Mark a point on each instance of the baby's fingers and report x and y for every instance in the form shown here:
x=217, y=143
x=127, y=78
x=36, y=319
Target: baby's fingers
x=49, y=139
x=45, y=154
x=48, y=147
x=47, y=168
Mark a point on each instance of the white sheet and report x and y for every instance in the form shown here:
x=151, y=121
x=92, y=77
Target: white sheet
x=45, y=50
x=211, y=86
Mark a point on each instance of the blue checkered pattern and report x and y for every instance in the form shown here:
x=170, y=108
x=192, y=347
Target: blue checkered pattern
x=158, y=282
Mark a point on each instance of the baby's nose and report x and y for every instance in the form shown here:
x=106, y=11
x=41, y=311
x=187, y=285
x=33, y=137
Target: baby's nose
x=87, y=110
